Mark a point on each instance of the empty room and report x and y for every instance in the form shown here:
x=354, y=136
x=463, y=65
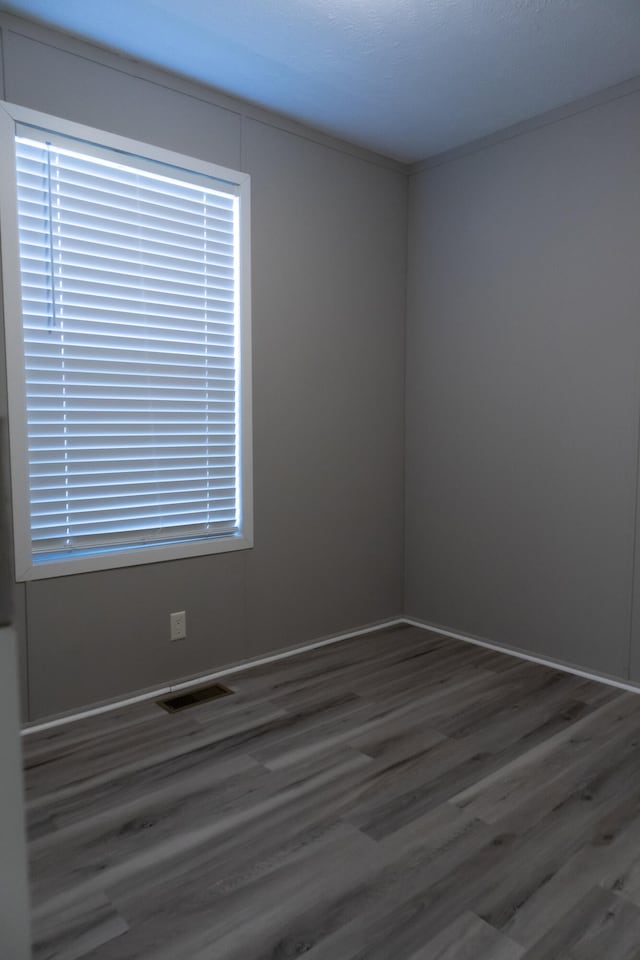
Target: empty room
x=319, y=436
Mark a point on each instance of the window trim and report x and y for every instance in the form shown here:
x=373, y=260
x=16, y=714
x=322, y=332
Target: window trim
x=26, y=569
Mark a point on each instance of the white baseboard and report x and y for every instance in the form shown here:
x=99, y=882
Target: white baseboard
x=521, y=655
x=158, y=692
x=323, y=642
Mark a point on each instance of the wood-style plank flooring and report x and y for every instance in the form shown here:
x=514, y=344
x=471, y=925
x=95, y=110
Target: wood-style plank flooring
x=399, y=796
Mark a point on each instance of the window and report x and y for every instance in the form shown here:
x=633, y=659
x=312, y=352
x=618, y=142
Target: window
x=126, y=297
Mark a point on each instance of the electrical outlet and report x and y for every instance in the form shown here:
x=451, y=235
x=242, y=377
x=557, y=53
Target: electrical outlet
x=178, y=622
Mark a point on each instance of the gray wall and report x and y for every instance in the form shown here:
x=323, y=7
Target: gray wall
x=523, y=382
x=522, y=395
x=14, y=899
x=329, y=264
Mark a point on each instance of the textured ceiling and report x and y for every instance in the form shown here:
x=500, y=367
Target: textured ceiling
x=407, y=78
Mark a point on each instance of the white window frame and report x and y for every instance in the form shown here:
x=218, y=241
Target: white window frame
x=26, y=569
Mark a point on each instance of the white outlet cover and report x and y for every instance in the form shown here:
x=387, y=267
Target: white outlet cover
x=178, y=622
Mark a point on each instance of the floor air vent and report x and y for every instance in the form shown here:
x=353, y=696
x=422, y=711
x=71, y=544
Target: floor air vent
x=180, y=701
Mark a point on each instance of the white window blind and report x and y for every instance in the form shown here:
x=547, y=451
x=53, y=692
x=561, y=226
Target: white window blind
x=129, y=284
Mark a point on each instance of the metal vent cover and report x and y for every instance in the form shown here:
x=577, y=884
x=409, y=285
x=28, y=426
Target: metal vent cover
x=190, y=698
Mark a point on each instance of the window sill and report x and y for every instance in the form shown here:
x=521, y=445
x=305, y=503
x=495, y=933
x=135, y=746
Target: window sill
x=133, y=556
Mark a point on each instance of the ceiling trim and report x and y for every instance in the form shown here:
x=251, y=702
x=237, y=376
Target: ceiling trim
x=620, y=90
x=70, y=43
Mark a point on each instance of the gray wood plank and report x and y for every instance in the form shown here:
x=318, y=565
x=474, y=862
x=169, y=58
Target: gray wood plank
x=602, y=925
x=469, y=938
x=78, y=929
